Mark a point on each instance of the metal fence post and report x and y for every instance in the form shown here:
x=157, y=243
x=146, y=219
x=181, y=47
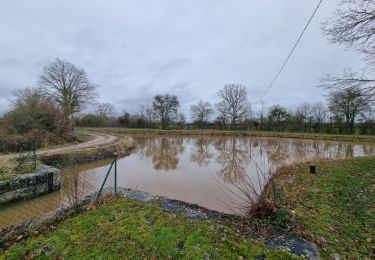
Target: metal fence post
x=115, y=158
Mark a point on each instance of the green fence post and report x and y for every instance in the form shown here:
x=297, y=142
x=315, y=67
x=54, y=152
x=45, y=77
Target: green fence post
x=115, y=158
x=105, y=179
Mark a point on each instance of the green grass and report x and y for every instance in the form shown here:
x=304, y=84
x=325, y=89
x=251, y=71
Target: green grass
x=5, y=173
x=11, y=168
x=10, y=173
x=5, y=170
x=336, y=206
x=126, y=229
x=83, y=136
x=332, y=137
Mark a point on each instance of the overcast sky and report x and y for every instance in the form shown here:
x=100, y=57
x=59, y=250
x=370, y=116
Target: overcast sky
x=135, y=49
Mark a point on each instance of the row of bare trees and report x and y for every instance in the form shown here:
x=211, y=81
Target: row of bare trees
x=233, y=108
x=346, y=111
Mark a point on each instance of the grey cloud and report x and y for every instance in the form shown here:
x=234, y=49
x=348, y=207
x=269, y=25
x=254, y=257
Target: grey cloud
x=135, y=49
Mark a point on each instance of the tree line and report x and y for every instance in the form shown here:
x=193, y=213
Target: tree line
x=47, y=113
x=346, y=112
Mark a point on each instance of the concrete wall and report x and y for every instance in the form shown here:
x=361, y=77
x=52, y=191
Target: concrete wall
x=24, y=186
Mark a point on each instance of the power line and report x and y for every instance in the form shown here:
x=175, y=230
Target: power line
x=291, y=52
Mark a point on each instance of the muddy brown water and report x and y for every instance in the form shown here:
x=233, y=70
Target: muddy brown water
x=225, y=174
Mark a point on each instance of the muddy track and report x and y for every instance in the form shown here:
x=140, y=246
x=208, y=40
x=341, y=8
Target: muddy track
x=98, y=140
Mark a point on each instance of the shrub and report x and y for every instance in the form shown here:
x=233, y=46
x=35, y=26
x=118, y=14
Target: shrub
x=24, y=142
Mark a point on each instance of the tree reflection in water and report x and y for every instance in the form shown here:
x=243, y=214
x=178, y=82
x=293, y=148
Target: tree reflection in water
x=240, y=166
x=234, y=155
x=220, y=173
x=163, y=151
x=232, y=158
x=200, y=153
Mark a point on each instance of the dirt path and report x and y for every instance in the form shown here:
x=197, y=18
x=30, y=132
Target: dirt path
x=97, y=141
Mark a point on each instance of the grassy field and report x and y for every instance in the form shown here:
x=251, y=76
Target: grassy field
x=332, y=137
x=126, y=229
x=336, y=206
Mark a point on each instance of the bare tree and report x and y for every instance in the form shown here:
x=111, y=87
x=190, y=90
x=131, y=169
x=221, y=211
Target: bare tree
x=347, y=103
x=141, y=111
x=351, y=80
x=150, y=115
x=201, y=112
x=234, y=102
x=105, y=110
x=262, y=113
x=68, y=86
x=353, y=25
x=165, y=108
x=181, y=120
x=319, y=114
x=303, y=112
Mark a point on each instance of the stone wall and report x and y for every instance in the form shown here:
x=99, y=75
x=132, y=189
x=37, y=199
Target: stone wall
x=45, y=180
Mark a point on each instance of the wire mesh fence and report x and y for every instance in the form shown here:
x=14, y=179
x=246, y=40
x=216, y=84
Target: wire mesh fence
x=80, y=182
x=27, y=161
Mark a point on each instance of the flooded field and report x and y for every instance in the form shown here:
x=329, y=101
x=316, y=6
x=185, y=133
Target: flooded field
x=214, y=172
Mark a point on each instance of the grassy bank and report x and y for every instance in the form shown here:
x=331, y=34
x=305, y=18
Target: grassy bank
x=12, y=167
x=134, y=230
x=356, y=138
x=336, y=206
x=6, y=170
